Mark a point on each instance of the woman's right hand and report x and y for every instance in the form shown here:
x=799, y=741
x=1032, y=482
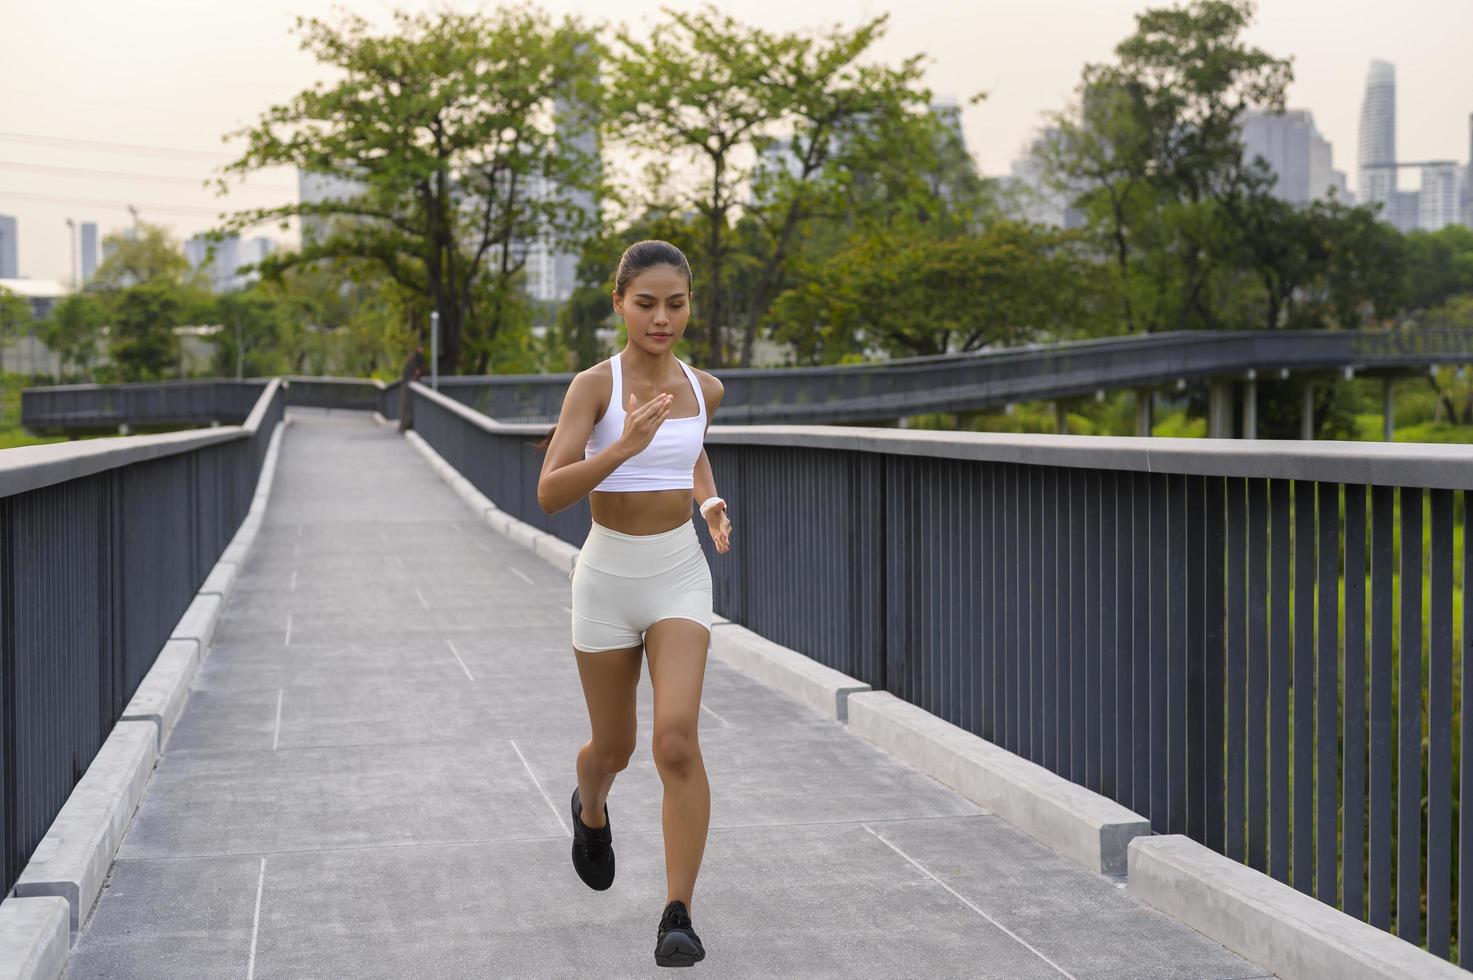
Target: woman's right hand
x=640, y=423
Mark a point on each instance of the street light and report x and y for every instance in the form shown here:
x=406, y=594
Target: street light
x=71, y=240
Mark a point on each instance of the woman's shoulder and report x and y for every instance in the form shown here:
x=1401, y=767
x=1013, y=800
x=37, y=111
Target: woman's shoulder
x=710, y=384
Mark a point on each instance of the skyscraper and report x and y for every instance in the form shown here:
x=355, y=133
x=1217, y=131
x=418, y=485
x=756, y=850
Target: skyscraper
x=1378, y=137
x=1441, y=196
x=9, y=248
x=89, y=250
x=1300, y=158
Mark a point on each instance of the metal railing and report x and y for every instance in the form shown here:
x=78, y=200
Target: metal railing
x=103, y=545
x=991, y=379
x=851, y=393
x=159, y=404
x=1247, y=642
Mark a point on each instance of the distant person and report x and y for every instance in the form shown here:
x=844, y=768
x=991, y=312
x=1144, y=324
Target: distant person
x=630, y=440
x=414, y=368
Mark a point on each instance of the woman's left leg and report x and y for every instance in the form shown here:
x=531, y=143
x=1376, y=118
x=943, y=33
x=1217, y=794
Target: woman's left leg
x=676, y=649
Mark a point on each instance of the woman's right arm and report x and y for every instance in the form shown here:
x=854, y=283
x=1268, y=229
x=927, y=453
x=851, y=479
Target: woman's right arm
x=566, y=476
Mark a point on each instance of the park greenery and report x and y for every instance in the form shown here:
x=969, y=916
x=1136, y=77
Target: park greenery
x=828, y=205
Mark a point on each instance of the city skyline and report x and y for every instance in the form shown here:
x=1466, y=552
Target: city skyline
x=239, y=61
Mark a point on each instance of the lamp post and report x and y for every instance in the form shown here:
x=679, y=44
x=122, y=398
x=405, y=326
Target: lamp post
x=435, y=350
x=71, y=241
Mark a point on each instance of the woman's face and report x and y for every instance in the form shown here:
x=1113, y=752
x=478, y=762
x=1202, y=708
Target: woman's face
x=655, y=307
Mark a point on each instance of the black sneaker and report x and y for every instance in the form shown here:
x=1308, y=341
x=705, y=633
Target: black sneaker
x=677, y=943
x=593, y=849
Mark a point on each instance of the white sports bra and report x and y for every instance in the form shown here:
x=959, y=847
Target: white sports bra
x=669, y=461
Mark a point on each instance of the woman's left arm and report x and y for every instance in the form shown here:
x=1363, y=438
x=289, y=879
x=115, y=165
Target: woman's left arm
x=704, y=479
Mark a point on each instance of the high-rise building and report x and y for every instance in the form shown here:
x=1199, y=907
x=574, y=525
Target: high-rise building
x=89, y=250
x=1300, y=158
x=316, y=188
x=1468, y=178
x=9, y=247
x=1441, y=197
x=231, y=254
x=1378, y=138
x=1033, y=197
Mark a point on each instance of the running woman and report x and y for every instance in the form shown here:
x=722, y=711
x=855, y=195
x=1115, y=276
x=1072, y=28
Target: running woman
x=629, y=437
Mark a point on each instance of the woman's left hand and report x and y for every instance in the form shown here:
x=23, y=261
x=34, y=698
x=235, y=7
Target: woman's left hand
x=720, y=527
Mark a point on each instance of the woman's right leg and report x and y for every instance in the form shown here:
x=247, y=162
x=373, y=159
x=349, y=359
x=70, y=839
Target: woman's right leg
x=610, y=679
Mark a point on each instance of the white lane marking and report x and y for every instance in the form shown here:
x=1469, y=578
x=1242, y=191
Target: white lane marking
x=256, y=921
x=294, y=580
x=458, y=660
x=299, y=530
x=925, y=871
x=422, y=600
x=555, y=811
x=276, y=735
x=296, y=550
x=521, y=574
x=568, y=610
x=385, y=537
x=714, y=715
x=400, y=560
x=483, y=546
x=288, y=641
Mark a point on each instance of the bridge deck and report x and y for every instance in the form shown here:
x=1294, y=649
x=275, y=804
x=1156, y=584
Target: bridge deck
x=370, y=778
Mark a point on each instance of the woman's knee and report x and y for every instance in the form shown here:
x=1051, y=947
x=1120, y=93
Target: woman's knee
x=675, y=750
x=613, y=756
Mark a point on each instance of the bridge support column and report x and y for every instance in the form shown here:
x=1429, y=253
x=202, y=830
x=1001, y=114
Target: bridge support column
x=1220, y=409
x=1388, y=409
x=1250, y=407
x=1306, y=413
x=1143, y=411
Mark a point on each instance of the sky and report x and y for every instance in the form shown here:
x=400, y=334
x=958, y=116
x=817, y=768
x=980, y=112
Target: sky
x=109, y=102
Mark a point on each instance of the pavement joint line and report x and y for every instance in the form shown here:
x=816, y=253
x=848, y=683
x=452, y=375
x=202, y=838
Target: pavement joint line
x=276, y=733
x=724, y=723
x=522, y=575
x=568, y=610
x=422, y=600
x=968, y=903
x=256, y=921
x=288, y=639
x=294, y=580
x=400, y=560
x=463, y=667
x=538, y=783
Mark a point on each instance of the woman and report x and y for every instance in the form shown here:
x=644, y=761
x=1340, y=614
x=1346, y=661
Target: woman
x=629, y=437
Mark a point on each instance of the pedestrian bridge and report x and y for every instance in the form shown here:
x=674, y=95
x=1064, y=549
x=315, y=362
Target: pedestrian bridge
x=1022, y=653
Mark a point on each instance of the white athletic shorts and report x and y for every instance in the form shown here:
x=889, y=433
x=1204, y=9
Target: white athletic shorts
x=625, y=583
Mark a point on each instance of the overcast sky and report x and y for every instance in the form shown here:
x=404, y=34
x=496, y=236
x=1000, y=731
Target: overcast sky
x=165, y=79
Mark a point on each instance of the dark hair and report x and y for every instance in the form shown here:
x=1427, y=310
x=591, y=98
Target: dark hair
x=636, y=259
x=646, y=255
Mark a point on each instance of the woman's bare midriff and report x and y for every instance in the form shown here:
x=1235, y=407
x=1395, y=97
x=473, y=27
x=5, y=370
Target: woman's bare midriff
x=641, y=511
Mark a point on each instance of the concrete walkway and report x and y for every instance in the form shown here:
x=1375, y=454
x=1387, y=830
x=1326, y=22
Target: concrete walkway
x=371, y=775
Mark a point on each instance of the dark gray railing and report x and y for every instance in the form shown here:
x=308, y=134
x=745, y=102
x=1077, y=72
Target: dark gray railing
x=969, y=382
x=162, y=404
x=852, y=393
x=1160, y=620
x=156, y=404
x=103, y=545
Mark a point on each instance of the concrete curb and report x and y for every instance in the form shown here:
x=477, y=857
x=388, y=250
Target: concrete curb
x=1279, y=928
x=822, y=688
x=160, y=698
x=74, y=857
x=1084, y=826
x=33, y=938
x=220, y=580
x=198, y=622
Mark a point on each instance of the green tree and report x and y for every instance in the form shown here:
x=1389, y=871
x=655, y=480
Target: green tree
x=15, y=320
x=263, y=332
x=917, y=295
x=141, y=339
x=447, y=127
x=1154, y=154
x=74, y=328
x=149, y=254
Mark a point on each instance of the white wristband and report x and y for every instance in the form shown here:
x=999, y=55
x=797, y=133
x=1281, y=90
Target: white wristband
x=710, y=502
